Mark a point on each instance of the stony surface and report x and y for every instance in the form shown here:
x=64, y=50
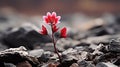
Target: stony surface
x=94, y=44
x=24, y=36
x=10, y=56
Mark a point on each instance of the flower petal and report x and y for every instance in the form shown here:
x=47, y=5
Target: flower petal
x=54, y=14
x=51, y=18
x=46, y=19
x=49, y=14
x=63, y=32
x=44, y=30
x=56, y=21
x=59, y=17
x=54, y=28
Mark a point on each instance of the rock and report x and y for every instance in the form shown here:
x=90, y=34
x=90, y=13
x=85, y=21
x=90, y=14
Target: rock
x=10, y=56
x=96, y=51
x=69, y=51
x=104, y=57
x=3, y=47
x=66, y=43
x=117, y=61
x=99, y=31
x=68, y=58
x=36, y=52
x=74, y=65
x=48, y=47
x=85, y=64
x=24, y=36
x=45, y=57
x=75, y=54
x=2, y=64
x=114, y=46
x=84, y=48
x=100, y=39
x=24, y=64
x=52, y=65
x=67, y=63
x=9, y=65
x=103, y=64
x=3, y=18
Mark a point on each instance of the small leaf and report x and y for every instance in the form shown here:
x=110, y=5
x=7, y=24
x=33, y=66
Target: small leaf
x=63, y=32
x=44, y=30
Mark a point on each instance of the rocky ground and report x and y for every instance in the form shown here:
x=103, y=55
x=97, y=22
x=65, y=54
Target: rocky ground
x=97, y=46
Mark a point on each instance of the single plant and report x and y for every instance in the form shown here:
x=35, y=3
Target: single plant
x=53, y=20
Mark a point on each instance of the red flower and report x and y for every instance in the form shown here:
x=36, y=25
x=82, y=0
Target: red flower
x=51, y=18
x=63, y=32
x=54, y=28
x=44, y=30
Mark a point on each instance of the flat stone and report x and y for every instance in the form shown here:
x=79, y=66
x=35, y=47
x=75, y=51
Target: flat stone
x=103, y=64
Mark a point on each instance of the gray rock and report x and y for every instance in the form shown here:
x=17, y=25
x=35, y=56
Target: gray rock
x=17, y=55
x=36, y=52
x=114, y=46
x=45, y=57
x=3, y=18
x=103, y=64
x=24, y=36
x=85, y=64
x=76, y=54
x=3, y=47
x=9, y=65
x=67, y=43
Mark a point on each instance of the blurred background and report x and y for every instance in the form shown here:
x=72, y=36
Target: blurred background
x=77, y=15
x=18, y=11
x=62, y=7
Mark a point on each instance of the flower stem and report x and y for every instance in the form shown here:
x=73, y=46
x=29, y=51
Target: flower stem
x=54, y=43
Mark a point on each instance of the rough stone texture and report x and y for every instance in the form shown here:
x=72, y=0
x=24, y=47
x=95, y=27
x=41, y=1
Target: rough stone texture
x=114, y=46
x=24, y=36
x=84, y=63
x=36, y=53
x=103, y=64
x=10, y=56
x=9, y=65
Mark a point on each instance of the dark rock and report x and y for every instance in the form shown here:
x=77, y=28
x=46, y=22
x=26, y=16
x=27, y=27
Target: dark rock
x=83, y=44
x=85, y=64
x=117, y=61
x=9, y=65
x=67, y=63
x=68, y=58
x=101, y=39
x=103, y=64
x=45, y=57
x=3, y=47
x=114, y=46
x=117, y=19
x=99, y=31
x=102, y=48
x=104, y=57
x=24, y=64
x=25, y=36
x=10, y=56
x=2, y=64
x=3, y=19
